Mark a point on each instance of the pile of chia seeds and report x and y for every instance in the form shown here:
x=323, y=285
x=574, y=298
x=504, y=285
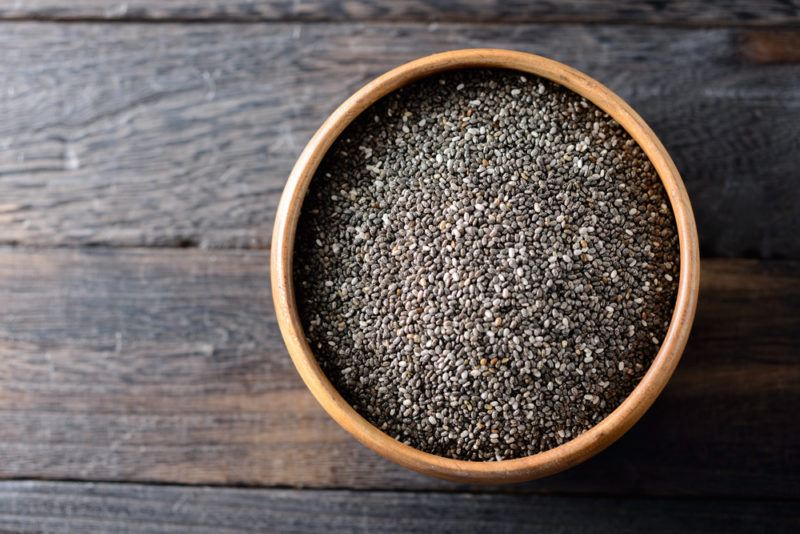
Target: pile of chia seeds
x=486, y=265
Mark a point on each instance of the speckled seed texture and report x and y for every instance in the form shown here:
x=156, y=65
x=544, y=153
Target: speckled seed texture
x=486, y=265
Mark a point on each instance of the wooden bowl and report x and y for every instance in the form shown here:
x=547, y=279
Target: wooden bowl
x=538, y=465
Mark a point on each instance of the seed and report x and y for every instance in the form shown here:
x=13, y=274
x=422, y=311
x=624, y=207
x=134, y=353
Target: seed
x=471, y=267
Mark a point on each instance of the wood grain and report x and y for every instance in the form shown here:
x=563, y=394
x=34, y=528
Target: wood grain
x=183, y=135
x=740, y=12
x=166, y=365
x=771, y=47
x=75, y=507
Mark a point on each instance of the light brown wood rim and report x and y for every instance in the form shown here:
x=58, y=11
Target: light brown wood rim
x=576, y=450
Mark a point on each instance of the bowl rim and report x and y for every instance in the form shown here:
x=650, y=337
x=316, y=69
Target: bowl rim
x=577, y=449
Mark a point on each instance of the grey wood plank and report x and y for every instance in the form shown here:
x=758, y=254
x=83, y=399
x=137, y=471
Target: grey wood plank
x=28, y=506
x=741, y=12
x=183, y=135
x=166, y=365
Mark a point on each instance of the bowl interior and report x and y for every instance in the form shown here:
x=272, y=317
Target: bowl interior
x=580, y=447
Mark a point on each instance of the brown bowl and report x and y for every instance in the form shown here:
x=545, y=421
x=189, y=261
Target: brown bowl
x=538, y=465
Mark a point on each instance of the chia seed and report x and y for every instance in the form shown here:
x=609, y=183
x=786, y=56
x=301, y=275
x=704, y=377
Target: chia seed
x=486, y=265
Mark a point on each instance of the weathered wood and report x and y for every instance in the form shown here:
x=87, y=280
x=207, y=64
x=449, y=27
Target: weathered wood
x=740, y=12
x=29, y=506
x=771, y=47
x=166, y=365
x=161, y=134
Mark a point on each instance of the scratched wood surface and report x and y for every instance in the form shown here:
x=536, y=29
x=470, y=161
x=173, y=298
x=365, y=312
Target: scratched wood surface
x=167, y=365
x=35, y=506
x=686, y=12
x=144, y=386
x=183, y=135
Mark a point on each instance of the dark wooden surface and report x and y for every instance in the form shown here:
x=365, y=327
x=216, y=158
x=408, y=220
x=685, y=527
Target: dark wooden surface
x=143, y=147
x=167, y=365
x=30, y=506
x=685, y=12
x=183, y=134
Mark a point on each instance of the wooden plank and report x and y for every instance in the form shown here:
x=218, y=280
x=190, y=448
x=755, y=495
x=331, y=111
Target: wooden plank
x=28, y=506
x=692, y=12
x=166, y=365
x=183, y=135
